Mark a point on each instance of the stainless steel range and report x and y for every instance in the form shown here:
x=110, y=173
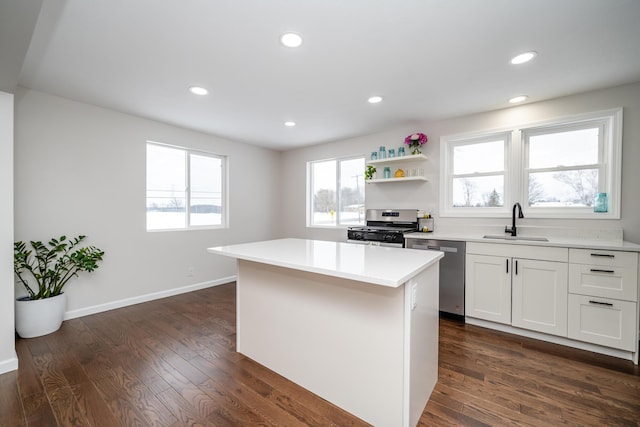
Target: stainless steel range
x=385, y=227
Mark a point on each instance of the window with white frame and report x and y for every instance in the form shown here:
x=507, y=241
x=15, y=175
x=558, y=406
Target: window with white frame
x=565, y=166
x=335, y=190
x=185, y=188
x=478, y=171
x=554, y=169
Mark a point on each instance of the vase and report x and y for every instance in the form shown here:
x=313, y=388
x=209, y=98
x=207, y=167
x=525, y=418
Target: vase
x=415, y=150
x=35, y=318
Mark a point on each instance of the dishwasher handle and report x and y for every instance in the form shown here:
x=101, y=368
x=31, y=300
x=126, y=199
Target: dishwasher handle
x=435, y=248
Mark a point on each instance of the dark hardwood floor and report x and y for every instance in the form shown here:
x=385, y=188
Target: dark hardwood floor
x=172, y=362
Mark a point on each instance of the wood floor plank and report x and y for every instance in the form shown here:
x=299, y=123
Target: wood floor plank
x=172, y=362
x=120, y=406
x=143, y=398
x=38, y=411
x=66, y=408
x=11, y=410
x=91, y=402
x=186, y=414
x=255, y=396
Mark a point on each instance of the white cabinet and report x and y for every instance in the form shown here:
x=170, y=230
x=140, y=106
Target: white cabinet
x=607, y=274
x=603, y=321
x=584, y=297
x=539, y=290
x=488, y=289
x=523, y=286
x=414, y=162
x=603, y=296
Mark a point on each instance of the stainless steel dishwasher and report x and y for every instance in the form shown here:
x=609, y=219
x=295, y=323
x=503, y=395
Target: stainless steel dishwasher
x=451, y=273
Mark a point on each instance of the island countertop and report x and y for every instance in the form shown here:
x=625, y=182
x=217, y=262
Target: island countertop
x=379, y=265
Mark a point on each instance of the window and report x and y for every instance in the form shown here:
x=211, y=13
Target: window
x=554, y=169
x=478, y=167
x=565, y=166
x=336, y=192
x=185, y=188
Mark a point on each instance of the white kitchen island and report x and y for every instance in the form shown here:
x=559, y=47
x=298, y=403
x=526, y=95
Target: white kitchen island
x=355, y=324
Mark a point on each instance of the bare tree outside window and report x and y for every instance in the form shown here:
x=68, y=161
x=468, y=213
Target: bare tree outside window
x=584, y=184
x=536, y=190
x=468, y=190
x=325, y=200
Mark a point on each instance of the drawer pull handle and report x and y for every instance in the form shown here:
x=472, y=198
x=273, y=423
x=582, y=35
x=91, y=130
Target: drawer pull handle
x=597, y=270
x=608, y=304
x=604, y=255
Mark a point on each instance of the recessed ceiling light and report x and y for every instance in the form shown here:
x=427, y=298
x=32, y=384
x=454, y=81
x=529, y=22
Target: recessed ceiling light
x=197, y=90
x=523, y=57
x=517, y=99
x=291, y=39
x=375, y=99
x=289, y=124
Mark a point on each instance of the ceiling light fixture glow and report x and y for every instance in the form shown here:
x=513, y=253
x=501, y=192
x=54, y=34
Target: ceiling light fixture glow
x=375, y=99
x=517, y=99
x=197, y=90
x=291, y=39
x=523, y=57
x=289, y=124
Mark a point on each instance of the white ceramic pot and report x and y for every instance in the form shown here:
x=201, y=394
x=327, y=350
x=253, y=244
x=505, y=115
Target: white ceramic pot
x=35, y=318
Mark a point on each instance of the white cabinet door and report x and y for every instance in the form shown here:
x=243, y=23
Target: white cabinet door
x=607, y=322
x=488, y=288
x=540, y=296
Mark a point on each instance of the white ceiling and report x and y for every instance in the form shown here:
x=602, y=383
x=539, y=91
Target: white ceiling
x=429, y=59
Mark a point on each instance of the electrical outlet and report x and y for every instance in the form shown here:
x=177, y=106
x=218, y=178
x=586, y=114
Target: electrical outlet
x=414, y=295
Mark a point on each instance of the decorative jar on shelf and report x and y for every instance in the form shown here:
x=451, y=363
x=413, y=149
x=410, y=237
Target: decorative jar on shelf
x=387, y=172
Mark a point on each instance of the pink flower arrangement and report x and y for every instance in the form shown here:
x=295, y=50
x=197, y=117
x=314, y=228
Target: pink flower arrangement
x=415, y=141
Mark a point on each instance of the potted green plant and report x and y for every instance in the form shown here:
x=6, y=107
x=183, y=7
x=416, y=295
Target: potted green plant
x=369, y=171
x=50, y=266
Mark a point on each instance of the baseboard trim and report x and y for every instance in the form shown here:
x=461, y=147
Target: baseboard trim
x=608, y=351
x=10, y=364
x=72, y=314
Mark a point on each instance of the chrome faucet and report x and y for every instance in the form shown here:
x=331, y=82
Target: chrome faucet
x=512, y=230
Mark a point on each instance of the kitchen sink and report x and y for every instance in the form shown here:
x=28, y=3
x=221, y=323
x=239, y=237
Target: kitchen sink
x=532, y=239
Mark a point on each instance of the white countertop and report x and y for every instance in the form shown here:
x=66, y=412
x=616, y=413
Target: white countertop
x=378, y=265
x=558, y=241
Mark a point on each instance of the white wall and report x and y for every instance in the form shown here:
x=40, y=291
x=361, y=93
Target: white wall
x=425, y=195
x=8, y=358
x=80, y=169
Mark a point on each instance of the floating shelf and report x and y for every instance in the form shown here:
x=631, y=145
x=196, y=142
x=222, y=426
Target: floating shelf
x=405, y=179
x=407, y=158
x=396, y=160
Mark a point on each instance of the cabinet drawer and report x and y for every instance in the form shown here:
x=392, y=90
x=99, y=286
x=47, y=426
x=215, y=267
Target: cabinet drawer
x=607, y=282
x=602, y=321
x=603, y=258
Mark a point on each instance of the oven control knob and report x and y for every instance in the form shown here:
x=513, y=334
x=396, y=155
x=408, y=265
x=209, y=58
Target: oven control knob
x=389, y=237
x=358, y=236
